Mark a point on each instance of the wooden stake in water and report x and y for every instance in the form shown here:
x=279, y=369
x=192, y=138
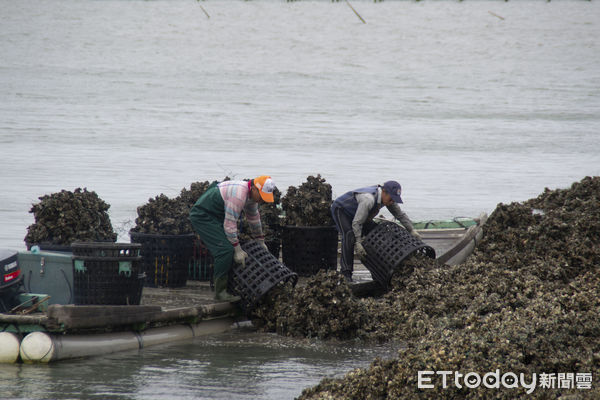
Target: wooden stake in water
x=361, y=18
x=207, y=16
x=496, y=15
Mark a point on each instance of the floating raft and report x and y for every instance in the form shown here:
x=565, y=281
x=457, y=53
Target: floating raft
x=64, y=331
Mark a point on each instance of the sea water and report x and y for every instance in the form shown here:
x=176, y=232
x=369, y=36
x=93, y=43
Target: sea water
x=466, y=104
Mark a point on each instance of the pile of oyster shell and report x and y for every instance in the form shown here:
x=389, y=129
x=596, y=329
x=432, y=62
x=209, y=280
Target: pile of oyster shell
x=527, y=301
x=65, y=217
x=323, y=308
x=169, y=216
x=309, y=204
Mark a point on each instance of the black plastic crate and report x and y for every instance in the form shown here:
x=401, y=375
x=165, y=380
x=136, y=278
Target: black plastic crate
x=308, y=249
x=387, y=246
x=107, y=273
x=261, y=273
x=202, y=264
x=106, y=249
x=165, y=258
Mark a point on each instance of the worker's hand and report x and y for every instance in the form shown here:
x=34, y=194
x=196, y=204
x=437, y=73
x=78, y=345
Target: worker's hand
x=262, y=243
x=415, y=234
x=239, y=256
x=360, y=250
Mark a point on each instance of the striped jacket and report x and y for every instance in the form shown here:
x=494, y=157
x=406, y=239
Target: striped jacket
x=236, y=196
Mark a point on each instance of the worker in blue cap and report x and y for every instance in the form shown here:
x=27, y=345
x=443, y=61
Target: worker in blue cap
x=353, y=214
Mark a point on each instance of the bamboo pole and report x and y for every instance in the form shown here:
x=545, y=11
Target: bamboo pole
x=207, y=16
x=496, y=15
x=357, y=14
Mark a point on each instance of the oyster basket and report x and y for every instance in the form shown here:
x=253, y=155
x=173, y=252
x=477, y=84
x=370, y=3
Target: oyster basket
x=107, y=273
x=165, y=258
x=308, y=249
x=387, y=245
x=202, y=264
x=261, y=273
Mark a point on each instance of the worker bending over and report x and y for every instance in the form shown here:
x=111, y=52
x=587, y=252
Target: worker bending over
x=215, y=217
x=353, y=214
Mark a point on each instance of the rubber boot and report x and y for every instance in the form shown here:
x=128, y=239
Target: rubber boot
x=221, y=293
x=347, y=276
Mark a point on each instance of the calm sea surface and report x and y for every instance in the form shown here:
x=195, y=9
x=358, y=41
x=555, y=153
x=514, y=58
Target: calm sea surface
x=467, y=104
x=238, y=365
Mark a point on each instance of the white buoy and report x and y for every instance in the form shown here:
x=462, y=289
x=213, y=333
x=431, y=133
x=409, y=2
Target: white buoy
x=9, y=347
x=166, y=334
x=37, y=347
x=41, y=347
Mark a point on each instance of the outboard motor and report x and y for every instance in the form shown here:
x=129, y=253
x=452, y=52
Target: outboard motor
x=11, y=281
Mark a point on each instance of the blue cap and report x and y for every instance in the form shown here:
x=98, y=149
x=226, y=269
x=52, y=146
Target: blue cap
x=394, y=189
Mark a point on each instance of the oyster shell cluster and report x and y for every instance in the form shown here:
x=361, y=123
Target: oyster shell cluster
x=169, y=216
x=65, y=217
x=309, y=204
x=324, y=308
x=527, y=301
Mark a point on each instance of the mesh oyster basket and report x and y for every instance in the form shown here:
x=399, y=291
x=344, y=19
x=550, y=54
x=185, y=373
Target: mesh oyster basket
x=308, y=249
x=387, y=245
x=261, y=273
x=165, y=258
x=107, y=273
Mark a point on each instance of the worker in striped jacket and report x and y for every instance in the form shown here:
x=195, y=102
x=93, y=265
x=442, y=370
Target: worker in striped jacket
x=215, y=216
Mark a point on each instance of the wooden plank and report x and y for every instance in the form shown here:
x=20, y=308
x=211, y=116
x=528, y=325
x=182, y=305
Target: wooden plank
x=23, y=319
x=218, y=309
x=176, y=314
x=82, y=317
x=56, y=310
x=79, y=317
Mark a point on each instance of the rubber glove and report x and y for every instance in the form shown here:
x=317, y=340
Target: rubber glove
x=239, y=255
x=415, y=234
x=360, y=250
x=262, y=243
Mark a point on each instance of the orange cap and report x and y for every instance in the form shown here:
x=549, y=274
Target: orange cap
x=265, y=186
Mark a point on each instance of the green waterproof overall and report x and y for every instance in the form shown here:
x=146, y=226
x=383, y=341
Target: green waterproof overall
x=207, y=217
